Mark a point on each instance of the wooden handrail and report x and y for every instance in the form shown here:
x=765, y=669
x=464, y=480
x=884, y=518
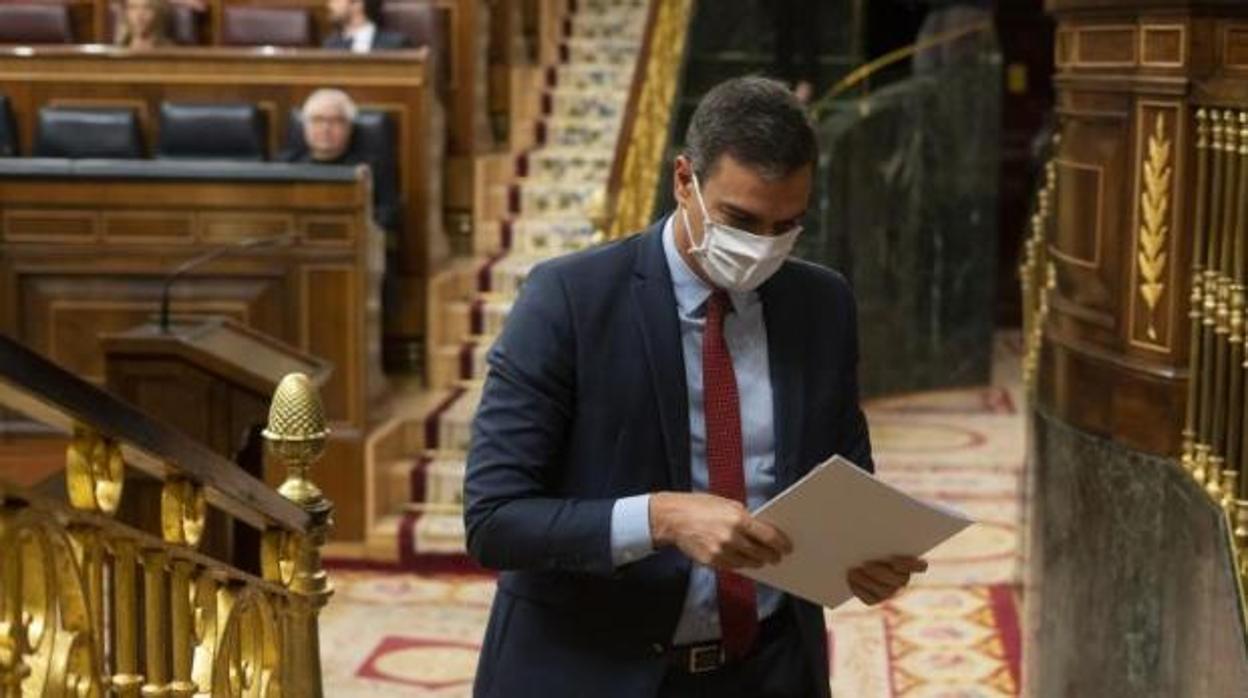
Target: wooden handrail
x=630, y=110
x=646, y=125
x=863, y=73
x=62, y=393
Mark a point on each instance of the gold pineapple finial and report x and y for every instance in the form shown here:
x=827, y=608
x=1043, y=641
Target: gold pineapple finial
x=296, y=435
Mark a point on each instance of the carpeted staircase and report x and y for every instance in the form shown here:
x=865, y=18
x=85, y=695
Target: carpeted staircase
x=535, y=203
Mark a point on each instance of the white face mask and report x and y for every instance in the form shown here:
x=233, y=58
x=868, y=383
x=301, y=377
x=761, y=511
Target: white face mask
x=737, y=260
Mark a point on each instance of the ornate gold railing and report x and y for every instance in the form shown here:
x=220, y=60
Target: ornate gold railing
x=640, y=148
x=1215, y=437
x=1036, y=273
x=862, y=74
x=94, y=603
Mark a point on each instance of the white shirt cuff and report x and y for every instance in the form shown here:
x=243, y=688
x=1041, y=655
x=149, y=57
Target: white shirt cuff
x=630, y=530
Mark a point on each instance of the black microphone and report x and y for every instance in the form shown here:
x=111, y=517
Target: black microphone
x=193, y=262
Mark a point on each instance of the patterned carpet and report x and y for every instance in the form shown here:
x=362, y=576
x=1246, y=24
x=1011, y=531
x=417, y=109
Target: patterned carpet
x=954, y=634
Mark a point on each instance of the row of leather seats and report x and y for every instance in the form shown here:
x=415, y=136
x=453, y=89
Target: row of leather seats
x=217, y=131
x=51, y=22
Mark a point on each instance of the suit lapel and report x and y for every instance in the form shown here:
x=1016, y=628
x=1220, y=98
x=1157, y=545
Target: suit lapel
x=786, y=356
x=655, y=303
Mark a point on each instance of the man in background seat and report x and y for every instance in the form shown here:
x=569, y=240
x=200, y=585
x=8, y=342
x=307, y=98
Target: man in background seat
x=356, y=28
x=328, y=118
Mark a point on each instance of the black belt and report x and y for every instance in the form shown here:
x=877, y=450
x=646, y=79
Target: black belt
x=704, y=657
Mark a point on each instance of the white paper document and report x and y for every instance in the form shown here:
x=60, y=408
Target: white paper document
x=838, y=517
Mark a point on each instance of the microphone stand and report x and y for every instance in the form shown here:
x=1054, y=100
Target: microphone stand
x=204, y=258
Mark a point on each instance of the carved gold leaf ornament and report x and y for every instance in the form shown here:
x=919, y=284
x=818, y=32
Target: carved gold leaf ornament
x=95, y=471
x=249, y=654
x=182, y=512
x=47, y=646
x=278, y=552
x=1154, y=229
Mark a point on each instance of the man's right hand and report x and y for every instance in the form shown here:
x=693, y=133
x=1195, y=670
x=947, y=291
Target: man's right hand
x=714, y=531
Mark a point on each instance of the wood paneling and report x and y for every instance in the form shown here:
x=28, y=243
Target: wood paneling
x=68, y=290
x=325, y=286
x=1110, y=46
x=1163, y=46
x=319, y=293
x=398, y=82
x=1079, y=239
x=1129, y=73
x=1235, y=46
x=148, y=226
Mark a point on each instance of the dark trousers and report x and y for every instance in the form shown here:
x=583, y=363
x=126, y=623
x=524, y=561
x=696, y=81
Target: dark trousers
x=775, y=669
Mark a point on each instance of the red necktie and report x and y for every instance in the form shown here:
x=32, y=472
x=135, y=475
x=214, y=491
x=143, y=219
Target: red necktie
x=738, y=608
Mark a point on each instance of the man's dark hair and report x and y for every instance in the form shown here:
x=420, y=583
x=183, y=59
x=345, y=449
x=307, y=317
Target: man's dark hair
x=756, y=120
x=372, y=10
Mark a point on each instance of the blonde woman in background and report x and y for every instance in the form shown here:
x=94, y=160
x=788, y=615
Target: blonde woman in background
x=143, y=24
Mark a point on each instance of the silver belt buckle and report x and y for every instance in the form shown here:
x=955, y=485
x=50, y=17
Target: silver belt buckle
x=705, y=658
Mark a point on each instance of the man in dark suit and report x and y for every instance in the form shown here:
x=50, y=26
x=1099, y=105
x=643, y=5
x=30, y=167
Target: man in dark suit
x=356, y=27
x=642, y=395
x=328, y=119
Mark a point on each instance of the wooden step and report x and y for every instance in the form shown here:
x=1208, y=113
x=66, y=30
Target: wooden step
x=457, y=320
x=396, y=444
x=440, y=533
x=487, y=237
x=455, y=426
x=456, y=281
x=444, y=370
x=394, y=485
x=383, y=539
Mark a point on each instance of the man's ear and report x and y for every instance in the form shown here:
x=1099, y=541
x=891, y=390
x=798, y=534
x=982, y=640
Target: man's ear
x=682, y=179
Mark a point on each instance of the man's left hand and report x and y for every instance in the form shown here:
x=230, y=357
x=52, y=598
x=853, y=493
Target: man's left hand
x=880, y=580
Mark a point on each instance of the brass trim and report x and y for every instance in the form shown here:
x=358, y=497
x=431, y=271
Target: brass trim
x=182, y=512
x=95, y=471
x=1196, y=296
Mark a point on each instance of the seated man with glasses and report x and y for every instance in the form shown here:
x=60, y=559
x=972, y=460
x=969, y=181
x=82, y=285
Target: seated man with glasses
x=329, y=118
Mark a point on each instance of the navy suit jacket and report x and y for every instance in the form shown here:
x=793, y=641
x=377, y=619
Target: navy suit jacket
x=585, y=402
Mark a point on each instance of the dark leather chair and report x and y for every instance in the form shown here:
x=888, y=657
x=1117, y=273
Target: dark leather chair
x=424, y=23
x=184, y=24
x=212, y=132
x=265, y=26
x=8, y=128
x=35, y=23
x=88, y=133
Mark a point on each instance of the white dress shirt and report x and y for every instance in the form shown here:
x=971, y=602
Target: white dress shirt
x=362, y=38
x=746, y=336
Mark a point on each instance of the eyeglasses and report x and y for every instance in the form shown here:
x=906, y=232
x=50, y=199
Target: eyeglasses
x=322, y=120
